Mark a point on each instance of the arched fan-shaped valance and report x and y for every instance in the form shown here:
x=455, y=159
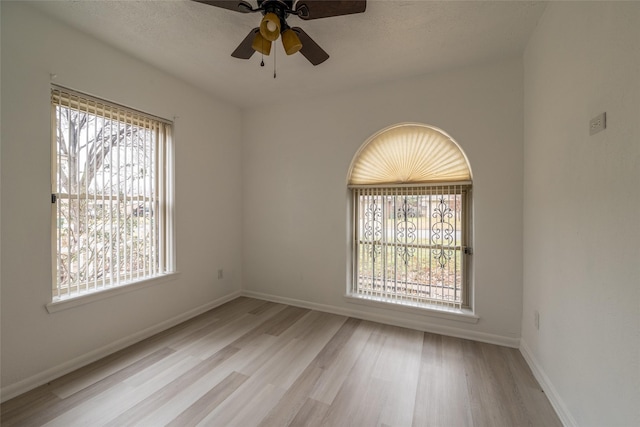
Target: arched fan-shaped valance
x=409, y=153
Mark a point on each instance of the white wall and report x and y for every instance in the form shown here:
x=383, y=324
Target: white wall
x=36, y=344
x=581, y=204
x=296, y=158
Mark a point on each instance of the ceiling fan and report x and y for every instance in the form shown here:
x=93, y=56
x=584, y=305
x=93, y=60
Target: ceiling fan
x=274, y=24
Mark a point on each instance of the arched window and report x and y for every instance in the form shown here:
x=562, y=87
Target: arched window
x=411, y=195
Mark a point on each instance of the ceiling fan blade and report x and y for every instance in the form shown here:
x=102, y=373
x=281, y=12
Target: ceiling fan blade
x=236, y=5
x=310, y=49
x=244, y=50
x=315, y=9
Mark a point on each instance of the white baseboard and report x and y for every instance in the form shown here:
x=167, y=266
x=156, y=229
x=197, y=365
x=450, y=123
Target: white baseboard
x=44, y=377
x=552, y=394
x=391, y=320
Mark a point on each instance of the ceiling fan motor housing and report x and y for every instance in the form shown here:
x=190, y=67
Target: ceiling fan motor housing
x=282, y=8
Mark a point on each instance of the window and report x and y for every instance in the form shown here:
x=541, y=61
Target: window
x=112, y=195
x=411, y=203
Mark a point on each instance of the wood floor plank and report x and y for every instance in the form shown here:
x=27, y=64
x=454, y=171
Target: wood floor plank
x=536, y=404
x=179, y=402
x=331, y=352
x=221, y=336
x=246, y=409
x=265, y=306
x=487, y=405
x=122, y=374
x=187, y=396
x=92, y=411
x=139, y=411
x=506, y=386
x=209, y=401
x=274, y=325
x=286, y=410
x=188, y=331
x=360, y=395
x=57, y=408
x=240, y=305
x=257, y=363
x=25, y=408
x=307, y=347
x=366, y=409
x=38, y=396
x=441, y=397
x=215, y=319
x=103, y=407
x=338, y=364
x=310, y=414
x=279, y=372
x=398, y=365
x=304, y=326
x=102, y=369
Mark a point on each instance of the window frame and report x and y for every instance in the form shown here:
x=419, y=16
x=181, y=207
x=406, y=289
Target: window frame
x=390, y=190
x=411, y=155
x=161, y=154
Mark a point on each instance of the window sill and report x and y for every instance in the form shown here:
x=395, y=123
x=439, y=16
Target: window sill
x=82, y=299
x=460, y=315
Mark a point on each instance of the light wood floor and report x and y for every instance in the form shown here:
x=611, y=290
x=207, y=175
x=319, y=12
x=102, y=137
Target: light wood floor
x=256, y=363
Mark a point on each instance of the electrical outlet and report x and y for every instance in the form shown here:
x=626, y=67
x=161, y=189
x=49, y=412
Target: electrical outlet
x=598, y=123
x=220, y=274
x=536, y=319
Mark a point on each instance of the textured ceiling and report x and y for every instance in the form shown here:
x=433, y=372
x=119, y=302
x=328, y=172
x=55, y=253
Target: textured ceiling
x=392, y=40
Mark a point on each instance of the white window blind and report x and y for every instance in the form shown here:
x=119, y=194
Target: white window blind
x=112, y=193
x=411, y=243
x=409, y=153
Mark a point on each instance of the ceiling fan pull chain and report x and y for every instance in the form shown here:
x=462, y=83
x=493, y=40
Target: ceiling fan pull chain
x=275, y=55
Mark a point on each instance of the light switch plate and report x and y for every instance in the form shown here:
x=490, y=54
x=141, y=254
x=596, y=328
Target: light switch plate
x=598, y=123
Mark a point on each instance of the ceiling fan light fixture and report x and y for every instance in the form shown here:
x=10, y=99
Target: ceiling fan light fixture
x=274, y=23
x=270, y=26
x=261, y=45
x=291, y=41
